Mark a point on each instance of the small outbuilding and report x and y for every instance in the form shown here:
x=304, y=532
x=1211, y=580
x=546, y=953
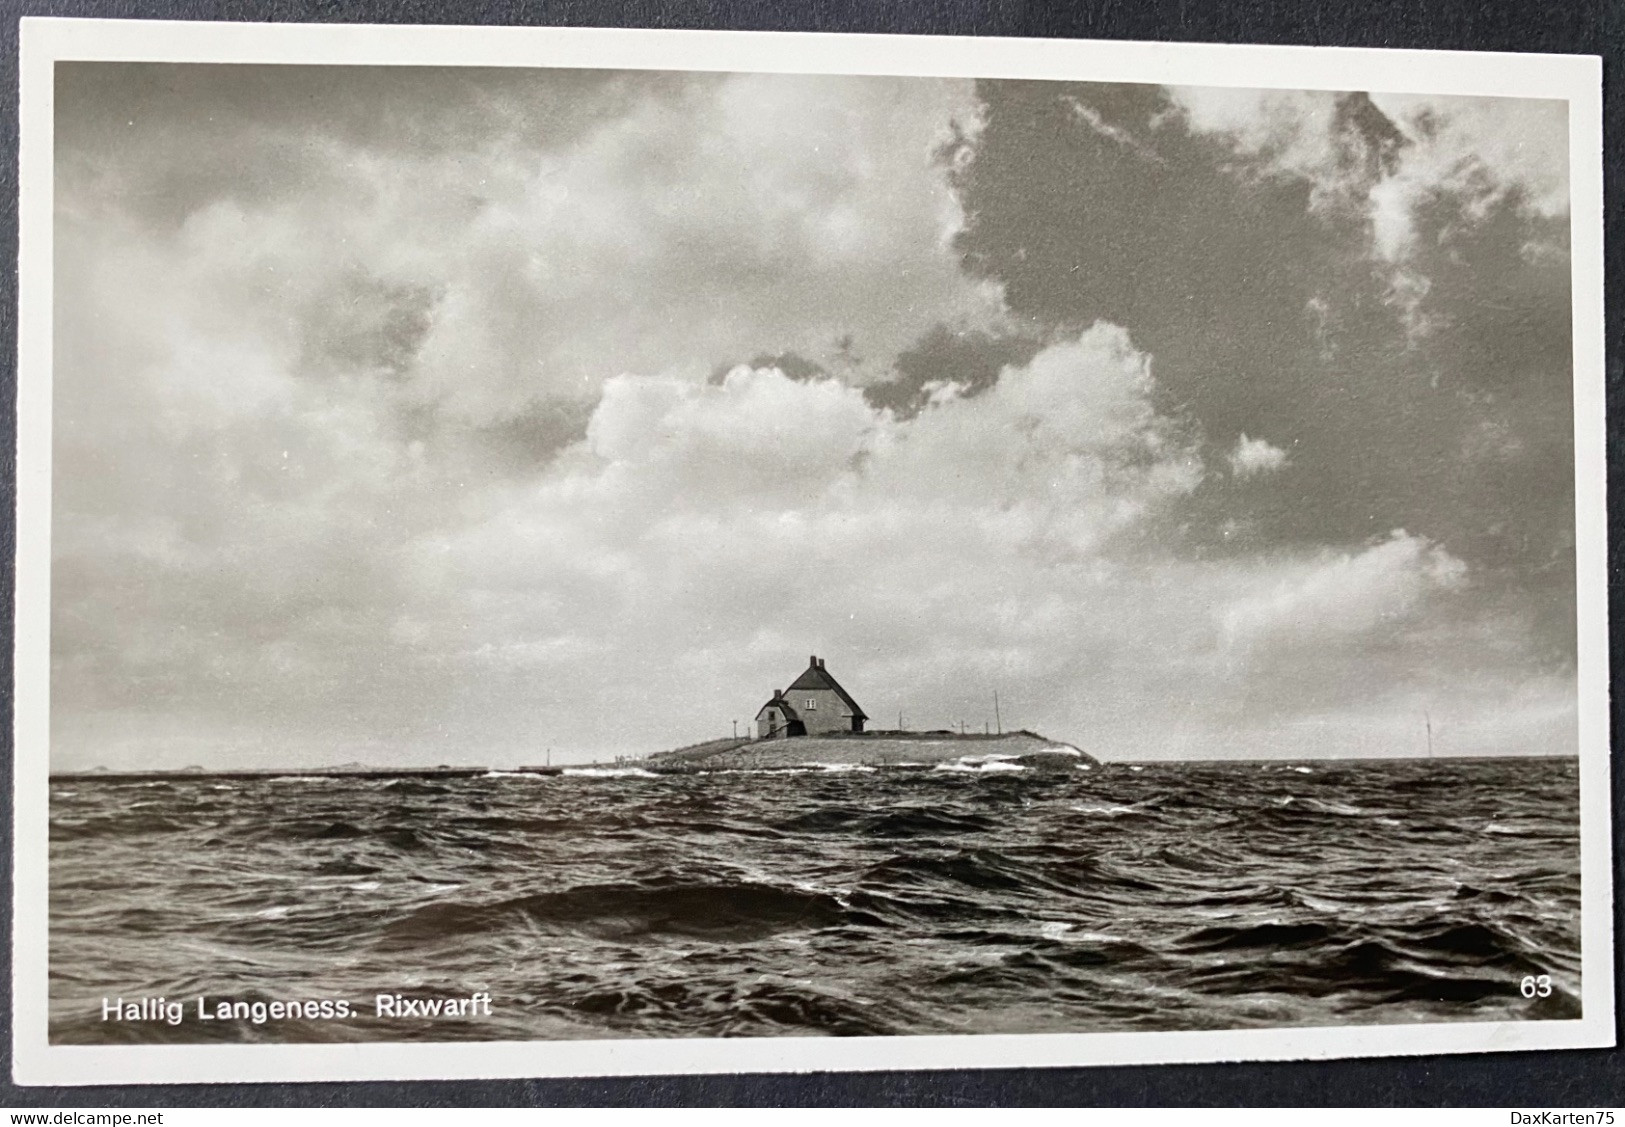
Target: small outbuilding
x=814, y=704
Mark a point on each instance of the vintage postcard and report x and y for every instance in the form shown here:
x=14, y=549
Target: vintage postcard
x=594, y=552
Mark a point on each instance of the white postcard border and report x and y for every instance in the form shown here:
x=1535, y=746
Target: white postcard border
x=1575, y=79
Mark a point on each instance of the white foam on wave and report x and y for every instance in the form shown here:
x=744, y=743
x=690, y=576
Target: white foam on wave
x=836, y=768
x=980, y=766
x=1326, y=806
x=508, y=775
x=1056, y=929
x=610, y=773
x=1304, y=770
x=271, y=913
x=364, y=886
x=1106, y=810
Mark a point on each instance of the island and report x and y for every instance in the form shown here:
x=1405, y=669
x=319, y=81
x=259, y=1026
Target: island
x=951, y=750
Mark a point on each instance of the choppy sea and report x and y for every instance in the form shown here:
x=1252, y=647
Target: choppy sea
x=895, y=901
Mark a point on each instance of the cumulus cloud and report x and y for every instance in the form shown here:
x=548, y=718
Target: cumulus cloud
x=743, y=522
x=1253, y=456
x=683, y=226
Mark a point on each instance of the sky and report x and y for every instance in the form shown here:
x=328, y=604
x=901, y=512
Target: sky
x=470, y=416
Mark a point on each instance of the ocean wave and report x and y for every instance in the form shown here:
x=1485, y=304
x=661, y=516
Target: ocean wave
x=1113, y=810
x=722, y=912
x=1274, y=935
x=906, y=821
x=140, y=825
x=978, y=868
x=832, y=902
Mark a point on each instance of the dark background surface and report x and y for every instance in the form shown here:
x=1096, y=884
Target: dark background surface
x=1519, y=1080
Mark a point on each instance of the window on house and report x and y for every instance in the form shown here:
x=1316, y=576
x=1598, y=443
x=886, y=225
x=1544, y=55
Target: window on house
x=812, y=704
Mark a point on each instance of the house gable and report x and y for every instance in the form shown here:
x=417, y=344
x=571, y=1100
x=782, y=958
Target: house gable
x=780, y=704
x=817, y=678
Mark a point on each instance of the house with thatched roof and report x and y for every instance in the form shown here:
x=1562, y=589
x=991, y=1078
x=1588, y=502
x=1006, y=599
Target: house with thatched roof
x=814, y=704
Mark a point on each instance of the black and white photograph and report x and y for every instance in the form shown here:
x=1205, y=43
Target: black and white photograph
x=798, y=567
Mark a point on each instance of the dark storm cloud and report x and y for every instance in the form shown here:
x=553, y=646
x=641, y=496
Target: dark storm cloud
x=792, y=364
x=970, y=358
x=529, y=440
x=1433, y=397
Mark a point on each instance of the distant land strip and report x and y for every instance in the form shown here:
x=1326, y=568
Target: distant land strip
x=870, y=749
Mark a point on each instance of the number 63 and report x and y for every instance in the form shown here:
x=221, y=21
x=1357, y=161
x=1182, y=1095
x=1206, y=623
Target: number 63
x=1536, y=986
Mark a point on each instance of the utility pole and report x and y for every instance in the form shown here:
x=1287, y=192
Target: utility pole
x=1427, y=719
x=997, y=719
x=549, y=757
x=736, y=729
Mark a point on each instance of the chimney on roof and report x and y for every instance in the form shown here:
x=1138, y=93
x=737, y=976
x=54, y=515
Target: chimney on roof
x=820, y=663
